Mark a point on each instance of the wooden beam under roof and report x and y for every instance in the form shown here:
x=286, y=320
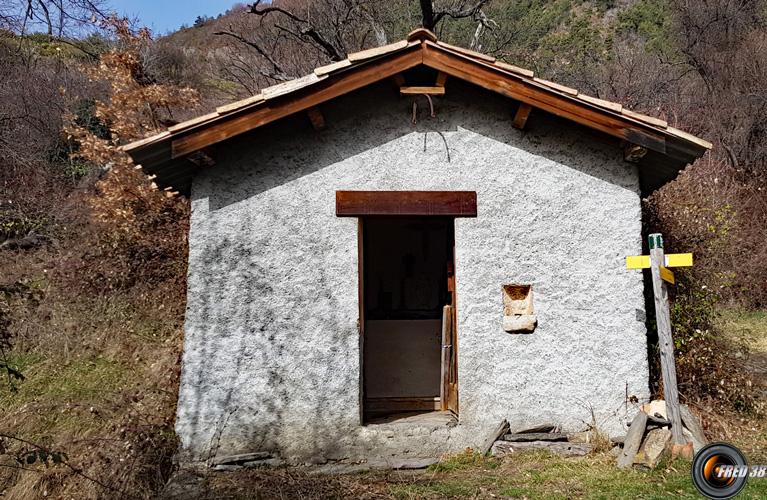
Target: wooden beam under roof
x=398, y=79
x=422, y=90
x=331, y=88
x=520, y=117
x=156, y=154
x=316, y=117
x=487, y=76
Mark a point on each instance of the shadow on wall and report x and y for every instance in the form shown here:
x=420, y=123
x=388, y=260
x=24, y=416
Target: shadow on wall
x=374, y=116
x=240, y=315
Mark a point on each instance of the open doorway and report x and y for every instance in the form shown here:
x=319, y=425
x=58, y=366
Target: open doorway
x=408, y=343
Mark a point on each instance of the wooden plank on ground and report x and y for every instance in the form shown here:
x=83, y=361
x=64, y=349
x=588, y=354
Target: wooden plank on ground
x=633, y=440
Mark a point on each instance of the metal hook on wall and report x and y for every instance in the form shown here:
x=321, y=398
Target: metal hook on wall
x=415, y=107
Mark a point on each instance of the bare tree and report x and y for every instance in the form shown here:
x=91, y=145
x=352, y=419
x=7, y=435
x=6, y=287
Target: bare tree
x=57, y=17
x=291, y=37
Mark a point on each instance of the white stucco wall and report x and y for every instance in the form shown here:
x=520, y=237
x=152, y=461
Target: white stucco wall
x=272, y=351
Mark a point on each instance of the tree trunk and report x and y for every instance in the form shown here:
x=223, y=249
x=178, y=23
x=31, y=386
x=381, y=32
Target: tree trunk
x=428, y=14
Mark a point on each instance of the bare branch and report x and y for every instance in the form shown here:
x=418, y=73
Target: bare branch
x=306, y=30
x=278, y=73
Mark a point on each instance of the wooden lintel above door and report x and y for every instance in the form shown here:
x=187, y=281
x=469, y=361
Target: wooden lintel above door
x=406, y=203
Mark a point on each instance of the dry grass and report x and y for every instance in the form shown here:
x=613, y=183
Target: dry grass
x=107, y=400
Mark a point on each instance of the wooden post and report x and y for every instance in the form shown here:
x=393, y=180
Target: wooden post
x=444, y=387
x=665, y=340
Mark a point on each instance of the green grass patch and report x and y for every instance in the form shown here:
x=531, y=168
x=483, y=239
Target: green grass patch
x=540, y=475
x=88, y=380
x=749, y=327
x=467, y=459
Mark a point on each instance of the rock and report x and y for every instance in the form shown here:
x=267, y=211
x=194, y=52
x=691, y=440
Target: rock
x=633, y=440
x=524, y=323
x=226, y=467
x=184, y=484
x=268, y=462
x=618, y=439
x=653, y=448
x=412, y=463
x=535, y=436
x=657, y=421
x=539, y=428
x=615, y=451
x=563, y=448
x=682, y=451
x=239, y=459
x=387, y=463
x=499, y=431
x=697, y=436
x=658, y=406
x=583, y=437
x=696, y=443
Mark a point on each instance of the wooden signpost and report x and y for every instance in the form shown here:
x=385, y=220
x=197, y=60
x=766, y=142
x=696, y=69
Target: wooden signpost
x=659, y=263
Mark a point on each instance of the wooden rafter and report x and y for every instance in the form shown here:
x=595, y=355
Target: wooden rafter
x=520, y=117
x=168, y=155
x=487, y=76
x=436, y=57
x=329, y=89
x=398, y=80
x=316, y=117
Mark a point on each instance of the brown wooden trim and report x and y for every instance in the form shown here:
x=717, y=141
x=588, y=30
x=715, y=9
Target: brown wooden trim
x=489, y=77
x=313, y=95
x=402, y=404
x=406, y=203
x=422, y=90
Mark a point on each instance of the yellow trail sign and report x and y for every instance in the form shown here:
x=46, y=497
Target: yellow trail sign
x=672, y=260
x=679, y=260
x=666, y=275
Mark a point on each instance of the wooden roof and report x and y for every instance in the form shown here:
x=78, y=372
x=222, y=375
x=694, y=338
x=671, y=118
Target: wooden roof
x=172, y=157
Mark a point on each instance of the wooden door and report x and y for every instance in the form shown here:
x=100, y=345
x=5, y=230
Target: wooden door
x=449, y=386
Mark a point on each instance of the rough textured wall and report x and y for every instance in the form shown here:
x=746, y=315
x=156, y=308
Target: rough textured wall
x=272, y=351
